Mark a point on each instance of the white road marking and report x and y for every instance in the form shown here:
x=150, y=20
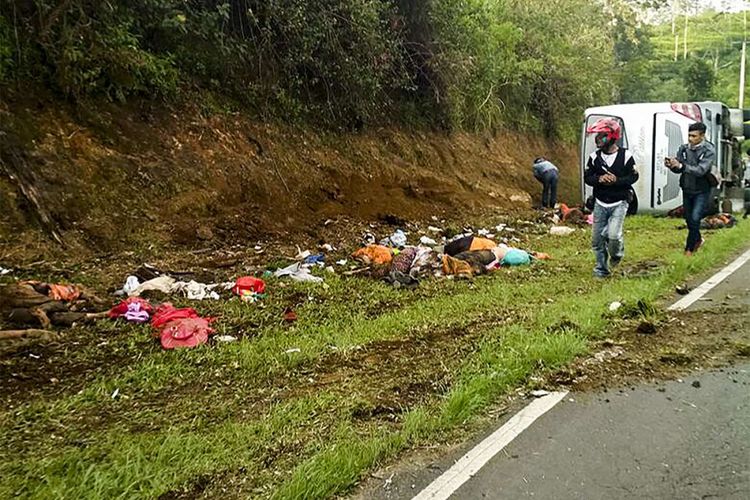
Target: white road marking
x=468, y=465
x=711, y=282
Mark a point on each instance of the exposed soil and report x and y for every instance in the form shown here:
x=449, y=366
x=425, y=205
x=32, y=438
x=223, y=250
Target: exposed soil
x=114, y=178
x=648, y=351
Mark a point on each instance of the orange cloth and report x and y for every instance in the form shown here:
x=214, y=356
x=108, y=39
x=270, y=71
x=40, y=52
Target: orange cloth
x=64, y=293
x=541, y=255
x=457, y=267
x=482, y=244
x=374, y=254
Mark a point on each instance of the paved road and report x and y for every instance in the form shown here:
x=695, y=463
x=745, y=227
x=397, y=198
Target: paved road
x=676, y=440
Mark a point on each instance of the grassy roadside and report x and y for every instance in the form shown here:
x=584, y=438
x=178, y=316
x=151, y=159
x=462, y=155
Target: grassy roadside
x=378, y=371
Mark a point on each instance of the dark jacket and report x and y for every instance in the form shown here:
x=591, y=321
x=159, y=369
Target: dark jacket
x=623, y=168
x=696, y=164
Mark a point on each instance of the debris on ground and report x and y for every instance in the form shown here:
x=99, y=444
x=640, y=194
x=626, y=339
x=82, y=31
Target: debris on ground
x=561, y=230
x=718, y=221
x=41, y=304
x=133, y=309
x=298, y=272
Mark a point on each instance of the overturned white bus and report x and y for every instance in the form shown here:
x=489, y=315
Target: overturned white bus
x=653, y=131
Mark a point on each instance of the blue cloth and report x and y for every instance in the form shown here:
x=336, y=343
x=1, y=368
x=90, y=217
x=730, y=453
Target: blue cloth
x=315, y=259
x=694, y=205
x=607, y=237
x=516, y=257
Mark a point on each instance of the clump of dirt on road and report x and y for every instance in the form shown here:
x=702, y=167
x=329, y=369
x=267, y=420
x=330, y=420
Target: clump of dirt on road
x=647, y=350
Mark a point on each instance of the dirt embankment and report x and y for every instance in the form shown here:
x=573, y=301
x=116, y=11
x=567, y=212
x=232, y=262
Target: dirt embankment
x=110, y=177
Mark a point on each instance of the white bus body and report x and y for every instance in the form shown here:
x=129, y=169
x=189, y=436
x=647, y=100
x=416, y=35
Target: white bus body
x=653, y=131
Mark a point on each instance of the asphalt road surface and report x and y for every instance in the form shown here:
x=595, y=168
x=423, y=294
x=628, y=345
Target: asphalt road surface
x=686, y=439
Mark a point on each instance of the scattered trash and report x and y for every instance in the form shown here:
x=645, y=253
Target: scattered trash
x=298, y=272
x=342, y=262
x=615, y=306
x=426, y=240
x=302, y=255
x=225, y=338
x=561, y=230
x=289, y=315
x=251, y=283
x=292, y=350
x=317, y=259
x=682, y=289
x=196, y=291
x=131, y=284
x=326, y=247
x=115, y=393
x=539, y=393
x=330, y=269
x=397, y=239
x=249, y=288
x=368, y=239
x=434, y=229
x=161, y=284
x=4, y=271
x=696, y=384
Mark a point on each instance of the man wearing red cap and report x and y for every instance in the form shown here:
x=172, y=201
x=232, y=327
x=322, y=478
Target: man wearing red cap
x=611, y=172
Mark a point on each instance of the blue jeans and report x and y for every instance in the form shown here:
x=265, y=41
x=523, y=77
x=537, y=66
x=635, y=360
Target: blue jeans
x=549, y=191
x=606, y=239
x=694, y=205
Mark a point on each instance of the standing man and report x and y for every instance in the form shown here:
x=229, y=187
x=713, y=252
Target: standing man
x=694, y=161
x=547, y=173
x=611, y=171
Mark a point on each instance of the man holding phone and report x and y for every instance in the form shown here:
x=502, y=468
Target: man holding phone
x=693, y=162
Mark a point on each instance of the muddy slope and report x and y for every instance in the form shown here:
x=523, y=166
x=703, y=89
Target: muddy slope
x=107, y=176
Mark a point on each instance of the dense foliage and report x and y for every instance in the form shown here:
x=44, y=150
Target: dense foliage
x=694, y=60
x=457, y=64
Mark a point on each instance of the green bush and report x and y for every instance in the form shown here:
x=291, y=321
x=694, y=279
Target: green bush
x=460, y=64
x=6, y=50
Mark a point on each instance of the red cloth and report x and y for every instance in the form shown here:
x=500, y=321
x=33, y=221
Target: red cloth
x=121, y=308
x=167, y=312
x=185, y=332
x=250, y=283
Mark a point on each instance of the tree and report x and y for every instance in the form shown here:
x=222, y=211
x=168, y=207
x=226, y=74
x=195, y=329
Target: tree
x=698, y=76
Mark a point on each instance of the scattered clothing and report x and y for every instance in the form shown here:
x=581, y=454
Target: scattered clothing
x=516, y=257
x=397, y=239
x=456, y=267
x=133, y=309
x=318, y=259
x=196, y=291
x=163, y=284
x=718, y=221
x=298, y=272
x=374, y=254
x=166, y=313
x=404, y=260
x=468, y=243
x=185, y=332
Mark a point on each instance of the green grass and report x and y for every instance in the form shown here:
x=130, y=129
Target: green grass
x=249, y=417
